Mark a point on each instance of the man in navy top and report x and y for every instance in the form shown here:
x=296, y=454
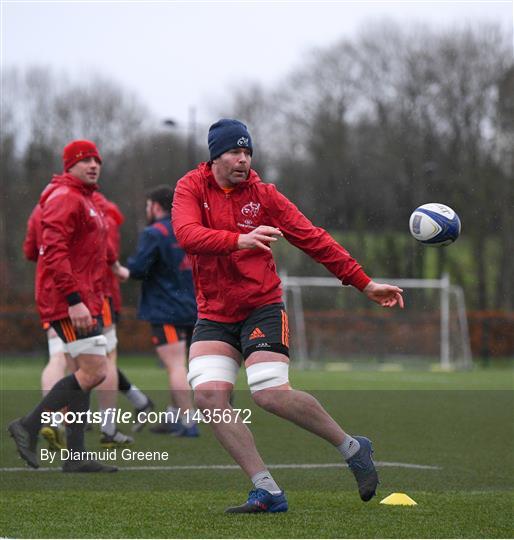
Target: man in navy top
x=168, y=303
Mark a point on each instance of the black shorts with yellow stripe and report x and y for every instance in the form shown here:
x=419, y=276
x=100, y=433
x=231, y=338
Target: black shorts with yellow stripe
x=265, y=329
x=68, y=333
x=166, y=334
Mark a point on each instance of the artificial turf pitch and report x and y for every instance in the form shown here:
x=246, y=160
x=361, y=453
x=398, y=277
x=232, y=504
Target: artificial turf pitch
x=460, y=425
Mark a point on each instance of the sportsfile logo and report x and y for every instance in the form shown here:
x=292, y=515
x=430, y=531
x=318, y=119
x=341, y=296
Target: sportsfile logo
x=119, y=416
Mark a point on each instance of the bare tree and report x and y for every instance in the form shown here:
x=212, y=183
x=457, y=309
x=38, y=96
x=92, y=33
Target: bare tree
x=41, y=112
x=368, y=129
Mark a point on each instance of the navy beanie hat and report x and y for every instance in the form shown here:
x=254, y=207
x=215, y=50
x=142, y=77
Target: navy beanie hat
x=227, y=134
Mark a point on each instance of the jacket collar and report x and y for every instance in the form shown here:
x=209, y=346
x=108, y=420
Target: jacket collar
x=67, y=180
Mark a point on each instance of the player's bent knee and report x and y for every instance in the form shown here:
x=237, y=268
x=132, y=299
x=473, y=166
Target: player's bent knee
x=96, y=345
x=93, y=373
x=212, y=368
x=90, y=380
x=267, y=399
x=111, y=339
x=265, y=375
x=209, y=399
x=97, y=378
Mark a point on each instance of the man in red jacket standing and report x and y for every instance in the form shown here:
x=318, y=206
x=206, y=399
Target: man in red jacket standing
x=56, y=366
x=69, y=296
x=225, y=218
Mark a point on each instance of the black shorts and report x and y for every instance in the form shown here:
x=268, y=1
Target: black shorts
x=68, y=333
x=164, y=334
x=265, y=329
x=109, y=316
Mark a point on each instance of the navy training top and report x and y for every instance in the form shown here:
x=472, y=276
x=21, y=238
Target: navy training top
x=167, y=291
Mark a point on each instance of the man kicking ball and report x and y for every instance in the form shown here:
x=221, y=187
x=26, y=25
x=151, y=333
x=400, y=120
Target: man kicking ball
x=226, y=218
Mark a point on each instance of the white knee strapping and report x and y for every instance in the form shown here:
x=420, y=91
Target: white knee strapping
x=91, y=345
x=213, y=367
x=267, y=375
x=55, y=346
x=111, y=337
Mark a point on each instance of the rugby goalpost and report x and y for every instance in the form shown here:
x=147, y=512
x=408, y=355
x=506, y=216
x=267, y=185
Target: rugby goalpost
x=454, y=350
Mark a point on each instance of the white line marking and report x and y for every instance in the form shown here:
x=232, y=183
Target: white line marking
x=236, y=467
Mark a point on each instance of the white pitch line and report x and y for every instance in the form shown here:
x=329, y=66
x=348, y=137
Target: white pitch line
x=236, y=467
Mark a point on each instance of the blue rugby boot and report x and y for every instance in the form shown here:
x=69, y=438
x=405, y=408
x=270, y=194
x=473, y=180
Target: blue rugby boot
x=363, y=468
x=167, y=428
x=260, y=500
x=186, y=431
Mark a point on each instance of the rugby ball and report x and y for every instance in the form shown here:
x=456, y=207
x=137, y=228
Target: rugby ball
x=434, y=224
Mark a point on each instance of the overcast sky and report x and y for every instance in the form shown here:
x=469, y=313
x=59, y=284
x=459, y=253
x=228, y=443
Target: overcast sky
x=177, y=55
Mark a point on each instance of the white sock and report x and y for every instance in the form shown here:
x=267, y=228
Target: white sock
x=173, y=416
x=264, y=480
x=108, y=426
x=136, y=397
x=187, y=419
x=349, y=447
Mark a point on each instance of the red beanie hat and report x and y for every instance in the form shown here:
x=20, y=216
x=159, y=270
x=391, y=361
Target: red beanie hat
x=76, y=151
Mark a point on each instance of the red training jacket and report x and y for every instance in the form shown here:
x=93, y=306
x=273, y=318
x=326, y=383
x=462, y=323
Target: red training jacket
x=74, y=250
x=231, y=283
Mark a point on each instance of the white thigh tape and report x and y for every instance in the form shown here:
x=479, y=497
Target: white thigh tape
x=267, y=375
x=112, y=338
x=214, y=367
x=55, y=346
x=91, y=345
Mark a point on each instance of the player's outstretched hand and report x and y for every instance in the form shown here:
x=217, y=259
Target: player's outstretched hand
x=260, y=238
x=384, y=294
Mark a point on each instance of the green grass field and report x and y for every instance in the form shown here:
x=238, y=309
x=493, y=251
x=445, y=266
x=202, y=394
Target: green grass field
x=458, y=425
